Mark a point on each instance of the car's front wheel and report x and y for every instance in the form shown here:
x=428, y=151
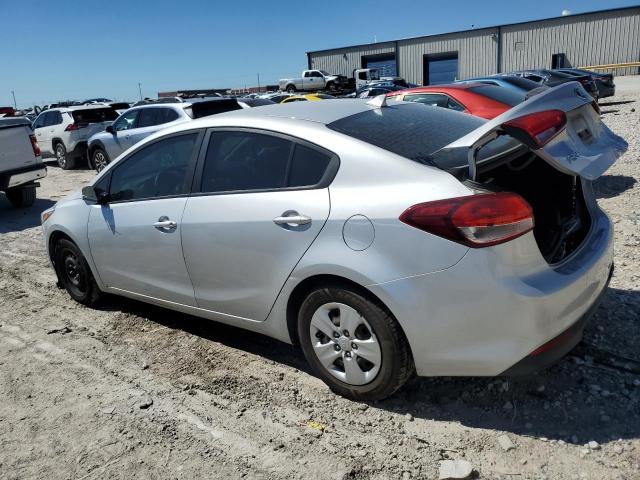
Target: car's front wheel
x=353, y=344
x=74, y=273
x=100, y=159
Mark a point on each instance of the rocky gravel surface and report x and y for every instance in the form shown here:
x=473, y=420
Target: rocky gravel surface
x=133, y=391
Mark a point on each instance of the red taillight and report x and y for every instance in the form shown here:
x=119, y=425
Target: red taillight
x=73, y=126
x=35, y=146
x=536, y=129
x=476, y=220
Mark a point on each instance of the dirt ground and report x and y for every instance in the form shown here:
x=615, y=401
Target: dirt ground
x=134, y=391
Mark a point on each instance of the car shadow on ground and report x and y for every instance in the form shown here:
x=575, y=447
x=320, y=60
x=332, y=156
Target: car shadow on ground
x=609, y=186
x=611, y=104
x=17, y=219
x=589, y=395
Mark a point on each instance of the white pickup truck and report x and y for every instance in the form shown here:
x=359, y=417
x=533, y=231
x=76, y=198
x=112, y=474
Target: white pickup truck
x=313, y=80
x=20, y=161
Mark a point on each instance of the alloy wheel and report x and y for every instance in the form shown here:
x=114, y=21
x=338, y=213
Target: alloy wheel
x=345, y=344
x=99, y=160
x=61, y=156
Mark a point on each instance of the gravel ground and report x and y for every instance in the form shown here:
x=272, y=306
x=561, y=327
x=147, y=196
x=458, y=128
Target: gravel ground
x=134, y=391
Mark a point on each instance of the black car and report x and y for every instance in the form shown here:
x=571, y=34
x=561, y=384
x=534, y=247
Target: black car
x=604, y=81
x=552, y=78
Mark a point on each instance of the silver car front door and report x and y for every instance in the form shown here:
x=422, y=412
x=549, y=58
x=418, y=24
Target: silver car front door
x=135, y=237
x=247, y=229
x=120, y=139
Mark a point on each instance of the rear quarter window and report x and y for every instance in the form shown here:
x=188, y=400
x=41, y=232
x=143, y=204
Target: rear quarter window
x=94, y=115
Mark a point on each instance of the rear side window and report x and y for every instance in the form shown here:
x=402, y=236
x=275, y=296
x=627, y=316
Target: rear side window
x=94, y=115
x=432, y=99
x=161, y=169
x=245, y=161
x=499, y=94
x=408, y=130
x=249, y=161
x=156, y=116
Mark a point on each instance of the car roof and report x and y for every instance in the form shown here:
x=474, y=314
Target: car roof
x=324, y=112
x=74, y=108
x=443, y=87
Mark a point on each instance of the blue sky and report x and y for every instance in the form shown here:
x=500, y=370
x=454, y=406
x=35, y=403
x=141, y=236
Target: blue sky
x=79, y=49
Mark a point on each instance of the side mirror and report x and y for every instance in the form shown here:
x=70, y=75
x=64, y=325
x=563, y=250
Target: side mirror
x=100, y=197
x=110, y=129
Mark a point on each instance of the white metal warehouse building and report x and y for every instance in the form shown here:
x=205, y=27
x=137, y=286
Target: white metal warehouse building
x=591, y=39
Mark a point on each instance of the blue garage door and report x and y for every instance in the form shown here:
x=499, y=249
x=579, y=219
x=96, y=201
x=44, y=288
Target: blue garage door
x=386, y=64
x=439, y=69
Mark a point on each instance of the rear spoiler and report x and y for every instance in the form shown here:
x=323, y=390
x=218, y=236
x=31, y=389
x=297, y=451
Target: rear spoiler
x=560, y=125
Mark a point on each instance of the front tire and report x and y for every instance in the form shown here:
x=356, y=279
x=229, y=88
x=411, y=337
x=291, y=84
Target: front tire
x=353, y=344
x=65, y=162
x=74, y=273
x=22, y=197
x=100, y=159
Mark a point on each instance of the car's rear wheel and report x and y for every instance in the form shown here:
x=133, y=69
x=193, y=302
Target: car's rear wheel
x=62, y=157
x=291, y=89
x=74, y=273
x=100, y=159
x=353, y=344
x=22, y=196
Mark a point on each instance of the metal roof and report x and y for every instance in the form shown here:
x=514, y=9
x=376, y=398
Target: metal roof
x=573, y=15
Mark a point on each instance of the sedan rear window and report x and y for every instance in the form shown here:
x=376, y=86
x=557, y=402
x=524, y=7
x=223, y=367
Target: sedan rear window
x=94, y=115
x=410, y=130
x=212, y=107
x=499, y=94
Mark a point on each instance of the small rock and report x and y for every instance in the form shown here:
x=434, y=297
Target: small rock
x=636, y=382
x=409, y=417
x=505, y=443
x=145, y=403
x=618, y=449
x=593, y=445
x=145, y=366
x=507, y=406
x=406, y=475
x=455, y=470
x=584, y=452
x=60, y=330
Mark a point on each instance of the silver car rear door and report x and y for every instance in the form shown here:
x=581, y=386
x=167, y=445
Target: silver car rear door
x=583, y=146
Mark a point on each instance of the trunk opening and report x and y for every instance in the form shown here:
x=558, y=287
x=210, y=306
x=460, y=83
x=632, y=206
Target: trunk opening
x=561, y=216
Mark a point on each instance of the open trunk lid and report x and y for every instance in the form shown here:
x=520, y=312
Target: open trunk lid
x=576, y=141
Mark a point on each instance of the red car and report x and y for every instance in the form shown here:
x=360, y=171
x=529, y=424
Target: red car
x=479, y=99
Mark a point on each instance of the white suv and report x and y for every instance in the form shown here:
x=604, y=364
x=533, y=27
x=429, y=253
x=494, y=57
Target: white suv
x=63, y=132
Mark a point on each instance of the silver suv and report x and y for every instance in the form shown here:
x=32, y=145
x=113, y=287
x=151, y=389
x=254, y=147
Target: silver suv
x=63, y=132
x=138, y=123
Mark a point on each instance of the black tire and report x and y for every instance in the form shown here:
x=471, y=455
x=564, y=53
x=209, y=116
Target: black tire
x=65, y=162
x=100, y=159
x=22, y=197
x=330, y=86
x=396, y=361
x=74, y=273
x=291, y=89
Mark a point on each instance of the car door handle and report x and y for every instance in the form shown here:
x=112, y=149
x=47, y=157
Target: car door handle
x=294, y=219
x=164, y=223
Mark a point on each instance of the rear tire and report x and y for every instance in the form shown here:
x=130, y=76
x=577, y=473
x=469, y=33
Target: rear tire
x=100, y=159
x=22, y=197
x=353, y=344
x=74, y=273
x=291, y=89
x=65, y=162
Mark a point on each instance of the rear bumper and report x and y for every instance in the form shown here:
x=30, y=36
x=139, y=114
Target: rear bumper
x=498, y=304
x=552, y=351
x=22, y=176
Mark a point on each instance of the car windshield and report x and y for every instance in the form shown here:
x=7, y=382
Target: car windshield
x=94, y=115
x=413, y=131
x=499, y=94
x=324, y=73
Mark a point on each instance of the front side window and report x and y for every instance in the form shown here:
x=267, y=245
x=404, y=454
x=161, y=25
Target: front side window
x=40, y=121
x=148, y=117
x=161, y=169
x=316, y=74
x=127, y=121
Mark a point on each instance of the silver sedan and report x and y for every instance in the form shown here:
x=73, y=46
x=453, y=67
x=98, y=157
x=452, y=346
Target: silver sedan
x=386, y=240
